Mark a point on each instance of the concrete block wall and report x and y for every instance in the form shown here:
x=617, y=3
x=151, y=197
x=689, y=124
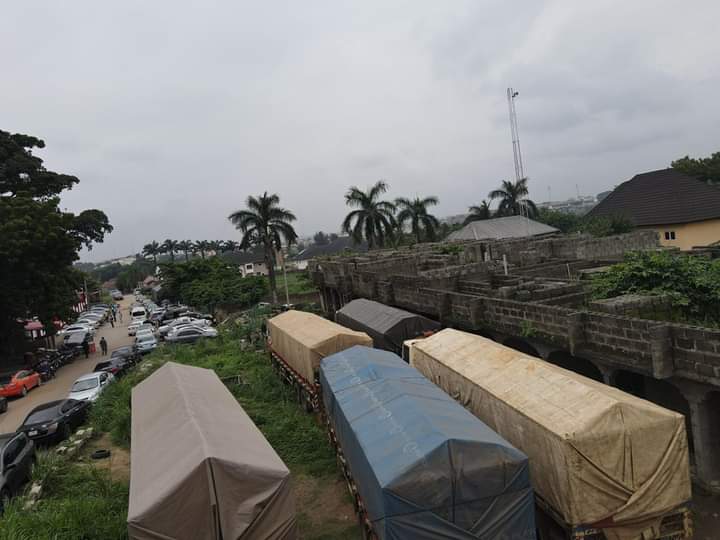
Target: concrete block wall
x=696, y=351
x=619, y=336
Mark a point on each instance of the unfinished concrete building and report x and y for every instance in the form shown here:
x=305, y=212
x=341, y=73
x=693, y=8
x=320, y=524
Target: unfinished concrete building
x=531, y=294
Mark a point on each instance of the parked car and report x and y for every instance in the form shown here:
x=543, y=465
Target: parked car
x=129, y=353
x=19, y=384
x=166, y=328
x=190, y=334
x=144, y=331
x=116, y=366
x=116, y=295
x=17, y=455
x=3, y=405
x=138, y=312
x=134, y=326
x=90, y=386
x=69, y=329
x=54, y=421
x=146, y=343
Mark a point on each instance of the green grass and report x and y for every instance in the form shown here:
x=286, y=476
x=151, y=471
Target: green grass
x=298, y=283
x=79, y=503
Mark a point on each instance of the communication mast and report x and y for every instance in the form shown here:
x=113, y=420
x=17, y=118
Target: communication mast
x=517, y=154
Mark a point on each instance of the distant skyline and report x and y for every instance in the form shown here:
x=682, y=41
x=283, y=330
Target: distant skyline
x=172, y=114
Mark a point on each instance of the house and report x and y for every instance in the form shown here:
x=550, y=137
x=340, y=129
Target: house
x=334, y=247
x=500, y=228
x=251, y=261
x=683, y=210
x=149, y=282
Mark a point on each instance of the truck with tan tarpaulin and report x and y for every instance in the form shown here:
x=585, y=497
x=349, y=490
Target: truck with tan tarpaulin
x=298, y=341
x=604, y=464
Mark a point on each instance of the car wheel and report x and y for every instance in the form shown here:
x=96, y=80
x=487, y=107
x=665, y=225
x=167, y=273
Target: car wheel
x=24, y=391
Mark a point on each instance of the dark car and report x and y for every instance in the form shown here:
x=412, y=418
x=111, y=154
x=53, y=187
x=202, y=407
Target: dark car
x=17, y=454
x=117, y=365
x=130, y=353
x=3, y=404
x=54, y=421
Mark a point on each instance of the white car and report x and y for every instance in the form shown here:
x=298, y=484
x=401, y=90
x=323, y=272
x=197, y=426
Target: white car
x=142, y=331
x=190, y=334
x=94, y=323
x=134, y=326
x=146, y=343
x=72, y=328
x=90, y=386
x=164, y=329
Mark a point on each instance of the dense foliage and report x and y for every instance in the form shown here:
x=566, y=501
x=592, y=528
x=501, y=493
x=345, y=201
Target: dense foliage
x=130, y=275
x=208, y=283
x=706, y=169
x=39, y=242
x=572, y=223
x=373, y=219
x=693, y=283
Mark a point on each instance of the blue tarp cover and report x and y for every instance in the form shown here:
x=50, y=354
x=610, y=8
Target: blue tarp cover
x=424, y=466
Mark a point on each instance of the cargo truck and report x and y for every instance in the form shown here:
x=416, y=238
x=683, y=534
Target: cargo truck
x=604, y=464
x=418, y=465
x=297, y=341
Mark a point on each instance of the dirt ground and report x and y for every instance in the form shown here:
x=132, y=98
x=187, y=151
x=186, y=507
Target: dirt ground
x=118, y=463
x=324, y=509
x=706, y=515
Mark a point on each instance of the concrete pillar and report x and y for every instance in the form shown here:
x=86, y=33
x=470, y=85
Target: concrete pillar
x=661, y=350
x=576, y=330
x=705, y=420
x=607, y=374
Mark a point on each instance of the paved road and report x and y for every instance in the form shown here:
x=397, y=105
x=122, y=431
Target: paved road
x=58, y=388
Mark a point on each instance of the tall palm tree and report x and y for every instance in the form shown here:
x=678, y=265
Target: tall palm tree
x=265, y=223
x=422, y=223
x=170, y=246
x=513, y=199
x=374, y=220
x=186, y=246
x=152, y=250
x=478, y=213
x=217, y=246
x=230, y=245
x=201, y=247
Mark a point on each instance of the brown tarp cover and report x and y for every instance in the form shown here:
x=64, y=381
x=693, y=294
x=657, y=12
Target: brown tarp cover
x=595, y=452
x=303, y=339
x=200, y=468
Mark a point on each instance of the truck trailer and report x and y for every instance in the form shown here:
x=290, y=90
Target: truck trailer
x=418, y=465
x=604, y=464
x=298, y=340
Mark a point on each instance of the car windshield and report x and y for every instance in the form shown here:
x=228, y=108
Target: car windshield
x=147, y=337
x=41, y=416
x=85, y=384
x=101, y=366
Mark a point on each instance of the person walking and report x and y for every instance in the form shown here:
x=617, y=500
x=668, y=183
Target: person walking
x=86, y=349
x=120, y=314
x=112, y=320
x=103, y=346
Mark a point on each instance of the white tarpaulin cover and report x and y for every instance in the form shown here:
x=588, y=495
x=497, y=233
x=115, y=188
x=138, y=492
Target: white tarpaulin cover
x=303, y=339
x=597, y=454
x=201, y=469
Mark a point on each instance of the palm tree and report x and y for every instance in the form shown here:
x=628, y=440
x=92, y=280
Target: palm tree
x=201, y=246
x=512, y=199
x=152, y=250
x=217, y=246
x=230, y=245
x=170, y=246
x=478, y=213
x=374, y=219
x=265, y=223
x=422, y=224
x=186, y=246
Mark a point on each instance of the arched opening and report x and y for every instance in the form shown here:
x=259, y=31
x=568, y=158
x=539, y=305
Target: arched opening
x=659, y=392
x=522, y=346
x=712, y=428
x=578, y=365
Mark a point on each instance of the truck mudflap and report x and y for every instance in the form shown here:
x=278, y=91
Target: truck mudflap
x=675, y=525
x=306, y=393
x=366, y=526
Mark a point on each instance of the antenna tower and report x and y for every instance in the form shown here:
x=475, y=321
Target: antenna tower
x=517, y=154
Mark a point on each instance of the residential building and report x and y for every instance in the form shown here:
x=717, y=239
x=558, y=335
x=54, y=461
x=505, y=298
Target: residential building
x=334, y=247
x=684, y=211
x=251, y=262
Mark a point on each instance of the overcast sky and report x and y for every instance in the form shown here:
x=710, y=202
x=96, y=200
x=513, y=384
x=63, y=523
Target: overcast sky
x=171, y=113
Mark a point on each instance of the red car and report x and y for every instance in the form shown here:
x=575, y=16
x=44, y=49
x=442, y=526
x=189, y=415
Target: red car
x=19, y=384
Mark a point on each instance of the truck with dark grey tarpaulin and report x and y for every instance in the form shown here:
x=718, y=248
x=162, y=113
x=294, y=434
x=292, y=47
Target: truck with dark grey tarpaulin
x=420, y=466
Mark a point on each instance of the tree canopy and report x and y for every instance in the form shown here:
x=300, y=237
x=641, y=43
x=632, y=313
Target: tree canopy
x=39, y=242
x=706, y=169
x=373, y=219
x=513, y=199
x=423, y=225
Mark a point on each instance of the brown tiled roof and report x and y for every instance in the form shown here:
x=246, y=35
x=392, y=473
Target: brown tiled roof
x=661, y=197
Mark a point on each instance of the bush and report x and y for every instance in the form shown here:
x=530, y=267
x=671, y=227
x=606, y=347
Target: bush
x=692, y=283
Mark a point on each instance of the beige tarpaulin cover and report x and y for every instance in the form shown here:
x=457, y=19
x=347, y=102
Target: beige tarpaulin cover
x=303, y=339
x=595, y=452
x=200, y=468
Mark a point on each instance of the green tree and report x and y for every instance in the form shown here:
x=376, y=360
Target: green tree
x=374, y=219
x=604, y=226
x=202, y=247
x=321, y=239
x=706, y=169
x=423, y=225
x=265, y=223
x=186, y=246
x=39, y=242
x=478, y=213
x=563, y=221
x=153, y=249
x=513, y=199
x=170, y=247
x=230, y=245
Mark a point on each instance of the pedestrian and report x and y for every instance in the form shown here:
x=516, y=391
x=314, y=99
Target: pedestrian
x=112, y=321
x=120, y=314
x=86, y=349
x=103, y=346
